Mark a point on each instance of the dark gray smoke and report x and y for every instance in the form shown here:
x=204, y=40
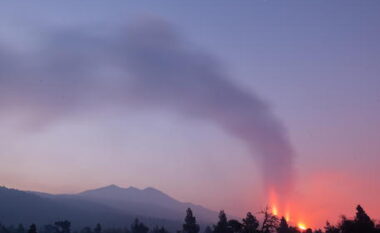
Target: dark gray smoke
x=146, y=64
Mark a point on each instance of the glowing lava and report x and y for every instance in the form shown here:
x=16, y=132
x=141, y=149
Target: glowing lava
x=282, y=208
x=273, y=201
x=274, y=211
x=302, y=226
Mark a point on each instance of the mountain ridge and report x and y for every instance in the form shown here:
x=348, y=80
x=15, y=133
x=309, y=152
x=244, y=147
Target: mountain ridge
x=117, y=205
x=132, y=197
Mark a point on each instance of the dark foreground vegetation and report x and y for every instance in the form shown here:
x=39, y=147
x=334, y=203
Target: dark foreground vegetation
x=362, y=223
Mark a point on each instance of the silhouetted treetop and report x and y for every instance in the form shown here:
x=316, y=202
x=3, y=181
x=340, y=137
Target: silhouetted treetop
x=98, y=228
x=139, y=227
x=283, y=227
x=270, y=222
x=190, y=225
x=222, y=225
x=250, y=224
x=235, y=226
x=20, y=228
x=86, y=230
x=207, y=230
x=362, y=221
x=329, y=228
x=32, y=229
x=157, y=229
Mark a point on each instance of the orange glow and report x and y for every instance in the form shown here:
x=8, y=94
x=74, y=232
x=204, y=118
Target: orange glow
x=287, y=217
x=274, y=210
x=290, y=210
x=302, y=226
x=273, y=202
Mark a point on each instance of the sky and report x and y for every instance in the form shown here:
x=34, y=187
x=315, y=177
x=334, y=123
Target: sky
x=211, y=102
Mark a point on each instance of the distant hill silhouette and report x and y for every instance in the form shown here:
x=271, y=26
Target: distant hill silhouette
x=146, y=202
x=111, y=206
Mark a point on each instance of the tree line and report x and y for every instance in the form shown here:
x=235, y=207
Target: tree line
x=270, y=223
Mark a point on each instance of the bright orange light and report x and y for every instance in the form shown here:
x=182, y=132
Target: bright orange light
x=302, y=226
x=274, y=210
x=287, y=217
x=273, y=202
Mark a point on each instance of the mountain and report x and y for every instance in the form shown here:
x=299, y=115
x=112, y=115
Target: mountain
x=27, y=208
x=111, y=206
x=146, y=202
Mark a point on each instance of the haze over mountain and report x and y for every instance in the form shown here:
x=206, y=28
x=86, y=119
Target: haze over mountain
x=147, y=202
x=110, y=205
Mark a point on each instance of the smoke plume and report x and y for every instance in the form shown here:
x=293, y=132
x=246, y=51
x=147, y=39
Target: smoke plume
x=147, y=64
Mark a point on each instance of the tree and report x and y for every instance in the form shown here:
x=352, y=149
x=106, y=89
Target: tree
x=86, y=230
x=347, y=225
x=250, y=224
x=377, y=230
x=283, y=227
x=207, y=230
x=363, y=222
x=235, y=226
x=98, y=228
x=331, y=228
x=190, y=225
x=139, y=227
x=20, y=228
x=222, y=225
x=49, y=229
x=63, y=226
x=11, y=229
x=32, y=229
x=116, y=230
x=157, y=229
x=3, y=229
x=294, y=230
x=270, y=222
